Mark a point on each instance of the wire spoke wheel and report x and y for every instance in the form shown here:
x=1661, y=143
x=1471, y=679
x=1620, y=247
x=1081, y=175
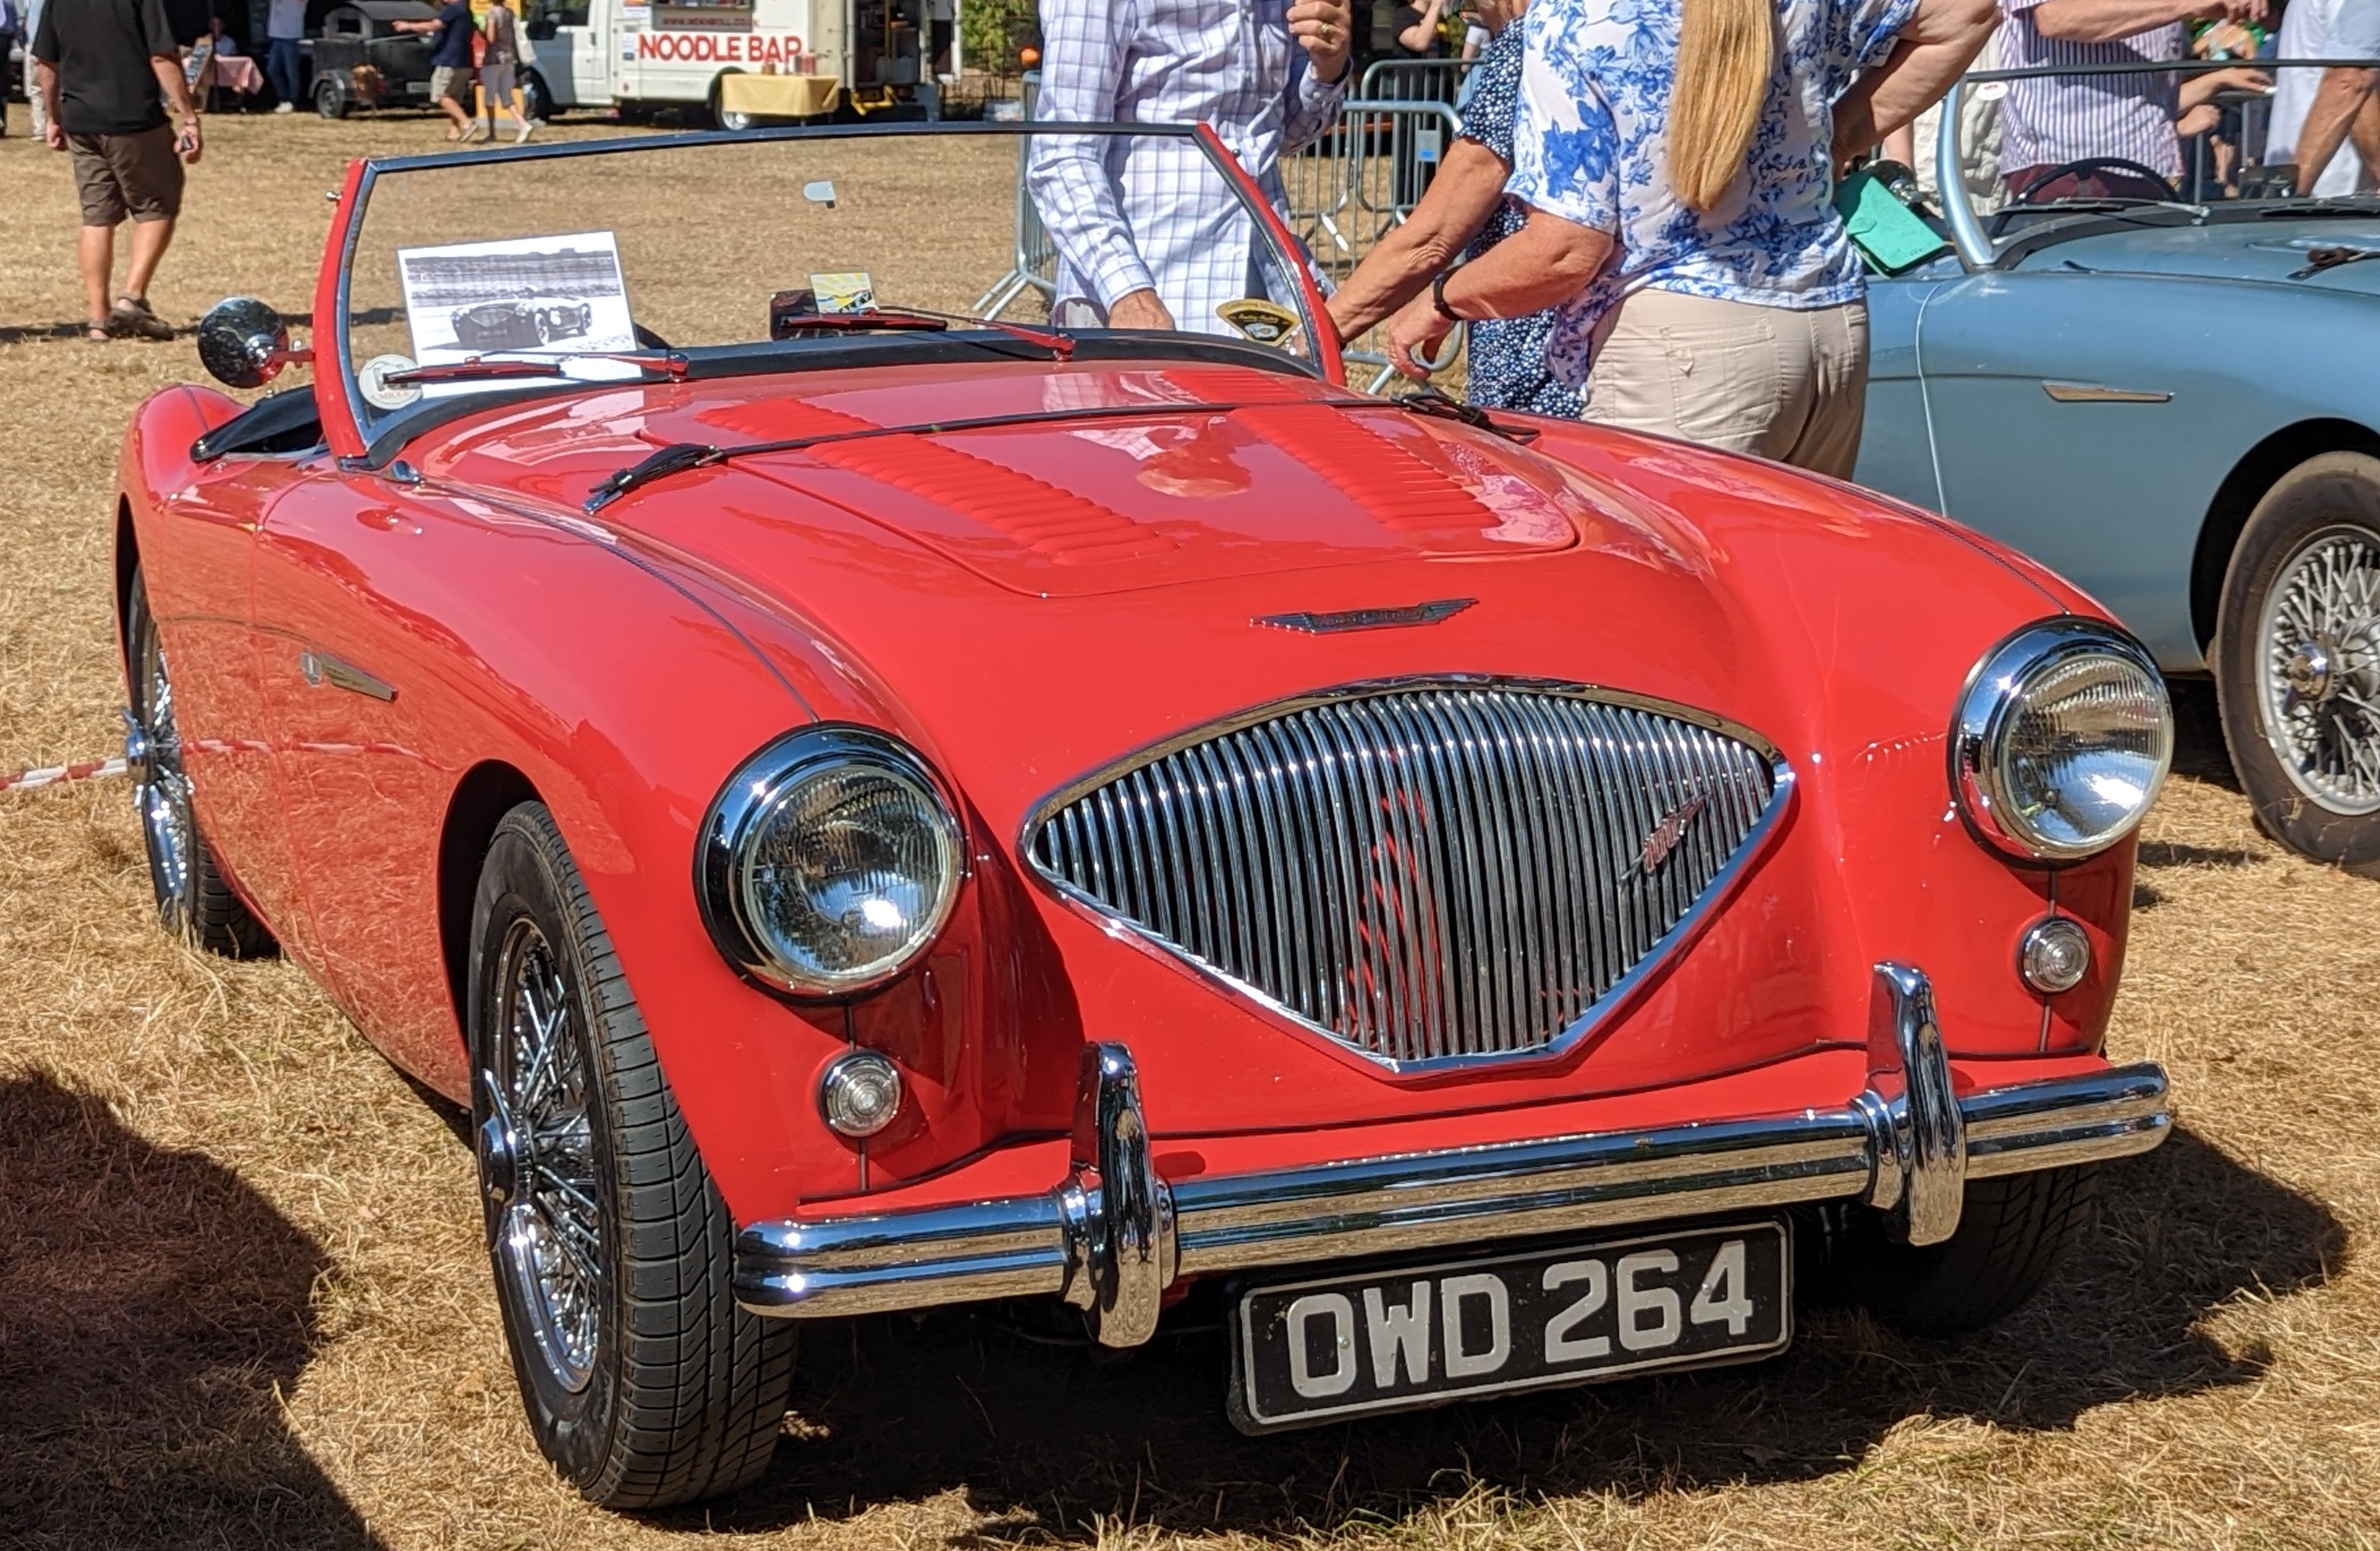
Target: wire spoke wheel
x=194, y=899
x=644, y=1382
x=162, y=791
x=2318, y=668
x=539, y=1156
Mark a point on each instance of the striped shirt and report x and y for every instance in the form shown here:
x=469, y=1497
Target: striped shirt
x=1133, y=213
x=2070, y=118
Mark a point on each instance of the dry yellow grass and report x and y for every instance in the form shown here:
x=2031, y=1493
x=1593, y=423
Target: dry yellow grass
x=242, y=1302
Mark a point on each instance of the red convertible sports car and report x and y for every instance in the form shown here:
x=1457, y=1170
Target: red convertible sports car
x=876, y=807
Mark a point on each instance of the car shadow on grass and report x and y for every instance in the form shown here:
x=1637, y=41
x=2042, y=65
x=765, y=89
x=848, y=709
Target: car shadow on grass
x=1048, y=1440
x=153, y=1310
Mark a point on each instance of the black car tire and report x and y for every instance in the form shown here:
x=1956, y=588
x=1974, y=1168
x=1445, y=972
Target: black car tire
x=330, y=97
x=2308, y=565
x=645, y=1384
x=193, y=901
x=2012, y=1231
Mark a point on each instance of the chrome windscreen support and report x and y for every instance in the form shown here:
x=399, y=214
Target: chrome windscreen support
x=1117, y=1214
x=1967, y=235
x=1920, y=1179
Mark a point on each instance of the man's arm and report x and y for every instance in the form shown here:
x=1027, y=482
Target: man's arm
x=1082, y=70
x=47, y=74
x=1941, y=39
x=2104, y=21
x=165, y=60
x=177, y=92
x=1468, y=188
x=1326, y=30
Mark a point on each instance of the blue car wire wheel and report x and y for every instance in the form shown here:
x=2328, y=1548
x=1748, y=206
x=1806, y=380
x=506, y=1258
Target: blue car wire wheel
x=2298, y=654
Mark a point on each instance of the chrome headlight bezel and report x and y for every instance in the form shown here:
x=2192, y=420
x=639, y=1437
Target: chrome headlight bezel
x=1995, y=694
x=733, y=826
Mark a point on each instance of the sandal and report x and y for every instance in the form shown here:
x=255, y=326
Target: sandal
x=132, y=316
x=97, y=334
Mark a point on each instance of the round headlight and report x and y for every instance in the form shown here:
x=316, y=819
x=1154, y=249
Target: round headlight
x=2063, y=739
x=828, y=861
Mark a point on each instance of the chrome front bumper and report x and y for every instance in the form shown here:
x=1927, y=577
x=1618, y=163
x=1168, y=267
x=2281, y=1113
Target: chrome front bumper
x=1114, y=1235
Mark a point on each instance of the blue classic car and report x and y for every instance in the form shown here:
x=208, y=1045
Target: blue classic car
x=2170, y=392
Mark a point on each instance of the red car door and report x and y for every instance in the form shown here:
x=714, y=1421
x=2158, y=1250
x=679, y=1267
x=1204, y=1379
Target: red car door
x=364, y=794
x=196, y=561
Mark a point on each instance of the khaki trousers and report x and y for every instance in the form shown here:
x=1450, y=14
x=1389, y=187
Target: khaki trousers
x=1772, y=381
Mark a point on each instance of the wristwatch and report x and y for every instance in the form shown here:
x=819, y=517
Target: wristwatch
x=1437, y=298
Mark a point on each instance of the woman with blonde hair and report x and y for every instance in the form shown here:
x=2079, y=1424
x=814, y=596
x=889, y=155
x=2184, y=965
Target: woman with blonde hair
x=1676, y=159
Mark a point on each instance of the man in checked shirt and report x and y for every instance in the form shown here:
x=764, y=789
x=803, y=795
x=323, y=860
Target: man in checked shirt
x=1147, y=235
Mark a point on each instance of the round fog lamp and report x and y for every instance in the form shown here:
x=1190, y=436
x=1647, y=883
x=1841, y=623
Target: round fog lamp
x=2055, y=956
x=860, y=1093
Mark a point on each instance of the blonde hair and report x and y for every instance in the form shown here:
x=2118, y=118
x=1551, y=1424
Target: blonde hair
x=1727, y=50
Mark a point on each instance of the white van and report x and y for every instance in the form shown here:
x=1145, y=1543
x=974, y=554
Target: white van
x=743, y=60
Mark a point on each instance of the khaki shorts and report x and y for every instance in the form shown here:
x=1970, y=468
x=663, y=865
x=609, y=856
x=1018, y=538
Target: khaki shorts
x=453, y=81
x=1776, y=382
x=118, y=176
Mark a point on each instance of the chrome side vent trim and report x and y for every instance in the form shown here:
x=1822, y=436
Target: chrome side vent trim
x=1430, y=873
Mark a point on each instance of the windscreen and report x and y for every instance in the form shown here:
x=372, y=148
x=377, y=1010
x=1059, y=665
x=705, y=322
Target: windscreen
x=2164, y=117
x=776, y=250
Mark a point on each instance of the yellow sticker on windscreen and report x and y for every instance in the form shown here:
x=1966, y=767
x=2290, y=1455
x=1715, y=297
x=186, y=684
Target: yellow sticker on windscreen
x=847, y=291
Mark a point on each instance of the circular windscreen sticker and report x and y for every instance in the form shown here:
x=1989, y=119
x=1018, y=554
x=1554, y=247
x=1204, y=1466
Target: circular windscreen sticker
x=1267, y=322
x=378, y=392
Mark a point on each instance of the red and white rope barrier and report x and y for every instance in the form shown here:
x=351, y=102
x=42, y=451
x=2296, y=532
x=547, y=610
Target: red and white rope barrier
x=24, y=781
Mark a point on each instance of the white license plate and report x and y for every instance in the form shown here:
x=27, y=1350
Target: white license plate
x=1397, y=1339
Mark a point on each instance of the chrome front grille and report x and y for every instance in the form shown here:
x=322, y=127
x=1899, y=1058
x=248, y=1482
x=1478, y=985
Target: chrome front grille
x=1434, y=872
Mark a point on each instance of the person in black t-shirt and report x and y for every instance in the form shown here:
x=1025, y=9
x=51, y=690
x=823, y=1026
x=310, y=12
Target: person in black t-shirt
x=1416, y=30
x=107, y=68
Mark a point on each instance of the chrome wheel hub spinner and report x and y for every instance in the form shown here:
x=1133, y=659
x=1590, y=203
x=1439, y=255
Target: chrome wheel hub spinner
x=2318, y=669
x=537, y=1160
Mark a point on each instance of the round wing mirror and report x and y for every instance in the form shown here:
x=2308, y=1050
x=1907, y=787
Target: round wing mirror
x=243, y=342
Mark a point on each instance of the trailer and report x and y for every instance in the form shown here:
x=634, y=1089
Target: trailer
x=744, y=61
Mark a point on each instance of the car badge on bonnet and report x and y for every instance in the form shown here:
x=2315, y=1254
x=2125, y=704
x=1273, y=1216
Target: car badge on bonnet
x=1670, y=834
x=1367, y=618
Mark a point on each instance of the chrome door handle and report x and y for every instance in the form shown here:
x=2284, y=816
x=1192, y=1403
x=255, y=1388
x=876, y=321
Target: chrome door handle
x=2099, y=393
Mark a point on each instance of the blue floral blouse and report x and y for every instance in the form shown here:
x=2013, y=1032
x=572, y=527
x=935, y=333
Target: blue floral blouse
x=1589, y=146
x=1507, y=364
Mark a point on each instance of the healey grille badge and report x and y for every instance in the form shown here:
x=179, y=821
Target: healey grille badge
x=1367, y=618
x=1668, y=834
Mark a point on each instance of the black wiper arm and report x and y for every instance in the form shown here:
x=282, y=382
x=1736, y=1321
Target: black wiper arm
x=1437, y=405
x=1057, y=341
x=676, y=458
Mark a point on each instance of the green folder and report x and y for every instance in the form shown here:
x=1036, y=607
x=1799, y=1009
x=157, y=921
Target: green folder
x=1887, y=231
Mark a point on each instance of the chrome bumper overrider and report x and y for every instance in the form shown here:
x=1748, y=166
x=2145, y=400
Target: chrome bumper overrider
x=1115, y=1235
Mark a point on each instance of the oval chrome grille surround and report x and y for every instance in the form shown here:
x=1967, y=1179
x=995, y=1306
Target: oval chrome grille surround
x=1431, y=873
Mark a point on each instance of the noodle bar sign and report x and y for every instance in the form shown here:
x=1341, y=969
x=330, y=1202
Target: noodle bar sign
x=771, y=51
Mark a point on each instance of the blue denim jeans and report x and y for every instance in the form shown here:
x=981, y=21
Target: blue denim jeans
x=281, y=67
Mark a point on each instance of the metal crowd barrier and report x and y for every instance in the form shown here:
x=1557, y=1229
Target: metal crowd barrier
x=1035, y=265
x=1415, y=81
x=1346, y=190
